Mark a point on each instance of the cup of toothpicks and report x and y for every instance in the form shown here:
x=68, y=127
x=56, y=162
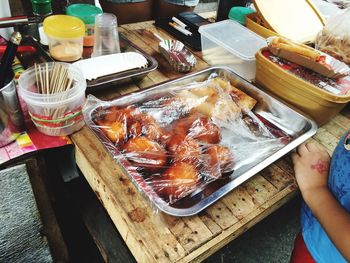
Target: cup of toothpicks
x=54, y=93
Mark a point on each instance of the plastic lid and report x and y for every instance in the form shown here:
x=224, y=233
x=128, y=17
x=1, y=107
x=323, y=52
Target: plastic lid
x=234, y=37
x=298, y=20
x=85, y=12
x=63, y=26
x=238, y=13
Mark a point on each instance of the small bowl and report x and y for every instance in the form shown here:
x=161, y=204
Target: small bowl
x=178, y=56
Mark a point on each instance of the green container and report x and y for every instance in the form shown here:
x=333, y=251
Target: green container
x=86, y=13
x=41, y=7
x=238, y=13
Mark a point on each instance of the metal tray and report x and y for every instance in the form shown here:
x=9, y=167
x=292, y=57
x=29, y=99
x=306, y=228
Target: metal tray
x=42, y=55
x=274, y=112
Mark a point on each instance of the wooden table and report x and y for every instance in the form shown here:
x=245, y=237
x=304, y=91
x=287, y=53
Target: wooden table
x=155, y=237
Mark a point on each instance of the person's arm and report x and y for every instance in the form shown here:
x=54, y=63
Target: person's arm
x=311, y=165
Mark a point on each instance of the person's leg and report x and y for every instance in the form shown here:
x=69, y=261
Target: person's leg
x=169, y=8
x=128, y=11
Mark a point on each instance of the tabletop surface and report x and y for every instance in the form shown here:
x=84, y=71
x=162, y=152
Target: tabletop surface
x=153, y=236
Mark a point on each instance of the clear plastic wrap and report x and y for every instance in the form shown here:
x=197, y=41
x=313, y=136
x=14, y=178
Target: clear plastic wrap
x=334, y=39
x=174, y=143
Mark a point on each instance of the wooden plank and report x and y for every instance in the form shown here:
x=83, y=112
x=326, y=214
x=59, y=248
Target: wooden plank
x=137, y=223
x=259, y=189
x=286, y=164
x=52, y=231
x=221, y=215
x=328, y=140
x=239, y=202
x=334, y=128
x=342, y=121
x=241, y=226
x=210, y=223
x=278, y=177
x=191, y=232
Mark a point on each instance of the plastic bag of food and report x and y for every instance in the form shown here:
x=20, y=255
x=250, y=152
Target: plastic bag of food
x=334, y=39
x=173, y=143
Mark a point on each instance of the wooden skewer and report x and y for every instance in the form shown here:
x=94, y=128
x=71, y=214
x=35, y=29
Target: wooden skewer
x=53, y=81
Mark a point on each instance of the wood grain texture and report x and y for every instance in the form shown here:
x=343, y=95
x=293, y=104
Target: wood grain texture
x=155, y=237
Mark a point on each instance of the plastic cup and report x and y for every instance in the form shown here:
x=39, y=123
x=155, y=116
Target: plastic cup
x=54, y=114
x=106, y=39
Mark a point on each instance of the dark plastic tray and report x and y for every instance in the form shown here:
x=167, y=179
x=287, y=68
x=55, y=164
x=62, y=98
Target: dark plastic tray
x=41, y=55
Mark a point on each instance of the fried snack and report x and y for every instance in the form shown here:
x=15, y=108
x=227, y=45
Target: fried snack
x=145, y=153
x=288, y=45
x=183, y=148
x=222, y=156
x=242, y=99
x=204, y=130
x=212, y=102
x=115, y=131
x=145, y=125
x=179, y=180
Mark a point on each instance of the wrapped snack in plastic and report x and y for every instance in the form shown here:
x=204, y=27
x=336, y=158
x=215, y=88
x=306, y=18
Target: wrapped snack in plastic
x=175, y=142
x=334, y=39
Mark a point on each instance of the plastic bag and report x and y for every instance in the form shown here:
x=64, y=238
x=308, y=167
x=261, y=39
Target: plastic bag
x=174, y=143
x=334, y=39
x=340, y=3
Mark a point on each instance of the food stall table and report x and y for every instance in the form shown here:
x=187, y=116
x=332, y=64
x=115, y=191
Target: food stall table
x=153, y=236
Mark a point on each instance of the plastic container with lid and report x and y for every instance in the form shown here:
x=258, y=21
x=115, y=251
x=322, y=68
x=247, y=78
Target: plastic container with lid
x=65, y=36
x=231, y=44
x=86, y=13
x=318, y=103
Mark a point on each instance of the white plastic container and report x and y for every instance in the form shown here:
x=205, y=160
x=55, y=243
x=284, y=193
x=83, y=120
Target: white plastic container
x=54, y=114
x=230, y=44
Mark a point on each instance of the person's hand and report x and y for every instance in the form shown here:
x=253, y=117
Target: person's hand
x=311, y=166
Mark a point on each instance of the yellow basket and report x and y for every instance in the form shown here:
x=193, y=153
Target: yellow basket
x=253, y=24
x=321, y=105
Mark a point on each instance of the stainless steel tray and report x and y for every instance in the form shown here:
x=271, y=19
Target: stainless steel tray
x=277, y=114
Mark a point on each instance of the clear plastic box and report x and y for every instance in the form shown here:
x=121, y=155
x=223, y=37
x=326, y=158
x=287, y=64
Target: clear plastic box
x=231, y=44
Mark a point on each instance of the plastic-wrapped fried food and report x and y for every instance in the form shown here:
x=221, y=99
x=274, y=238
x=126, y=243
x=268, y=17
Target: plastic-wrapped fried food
x=222, y=156
x=115, y=131
x=204, y=130
x=183, y=148
x=145, y=125
x=145, y=153
x=178, y=180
